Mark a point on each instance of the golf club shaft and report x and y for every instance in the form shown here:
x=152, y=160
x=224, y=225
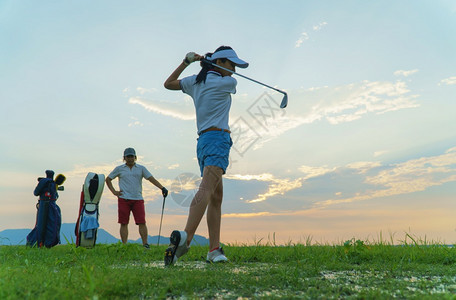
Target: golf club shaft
x=243, y=76
x=161, y=219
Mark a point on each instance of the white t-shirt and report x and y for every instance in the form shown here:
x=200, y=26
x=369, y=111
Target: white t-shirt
x=130, y=180
x=212, y=99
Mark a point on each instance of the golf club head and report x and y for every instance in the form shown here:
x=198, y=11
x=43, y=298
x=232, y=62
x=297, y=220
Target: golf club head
x=284, y=101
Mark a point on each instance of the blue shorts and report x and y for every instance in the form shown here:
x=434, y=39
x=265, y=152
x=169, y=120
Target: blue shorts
x=213, y=149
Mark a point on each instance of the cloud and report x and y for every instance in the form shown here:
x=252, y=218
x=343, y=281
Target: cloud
x=311, y=172
x=81, y=171
x=380, y=153
x=337, y=105
x=321, y=187
x=265, y=121
x=143, y=91
x=448, y=81
x=408, y=177
x=304, y=36
x=146, y=97
x=248, y=177
x=319, y=26
x=247, y=215
x=180, y=111
x=280, y=186
x=173, y=166
x=135, y=123
x=364, y=166
x=314, y=187
x=276, y=186
x=351, y=102
x=405, y=73
x=251, y=132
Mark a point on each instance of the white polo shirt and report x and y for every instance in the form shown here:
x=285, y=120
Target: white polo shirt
x=130, y=180
x=212, y=99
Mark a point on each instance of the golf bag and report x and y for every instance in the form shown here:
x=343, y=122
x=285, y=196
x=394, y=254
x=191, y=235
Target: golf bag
x=87, y=223
x=48, y=217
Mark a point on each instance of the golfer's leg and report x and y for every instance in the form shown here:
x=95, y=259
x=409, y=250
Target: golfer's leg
x=143, y=233
x=124, y=216
x=211, y=176
x=214, y=215
x=139, y=213
x=124, y=233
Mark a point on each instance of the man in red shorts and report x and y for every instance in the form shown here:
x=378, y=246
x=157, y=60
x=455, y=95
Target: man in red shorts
x=129, y=195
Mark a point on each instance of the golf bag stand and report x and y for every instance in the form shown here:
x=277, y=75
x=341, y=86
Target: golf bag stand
x=87, y=223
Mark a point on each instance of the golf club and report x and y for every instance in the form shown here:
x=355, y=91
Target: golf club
x=284, y=102
x=161, y=219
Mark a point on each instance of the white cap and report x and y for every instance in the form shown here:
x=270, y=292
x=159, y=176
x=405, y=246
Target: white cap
x=230, y=55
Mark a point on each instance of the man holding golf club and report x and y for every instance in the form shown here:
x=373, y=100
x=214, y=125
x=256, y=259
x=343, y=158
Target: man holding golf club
x=129, y=195
x=211, y=91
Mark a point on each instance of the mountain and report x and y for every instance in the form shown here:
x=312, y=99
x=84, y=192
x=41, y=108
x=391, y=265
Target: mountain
x=14, y=236
x=19, y=237
x=67, y=233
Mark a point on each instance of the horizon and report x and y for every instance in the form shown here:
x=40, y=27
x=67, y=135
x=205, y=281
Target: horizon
x=408, y=238
x=367, y=143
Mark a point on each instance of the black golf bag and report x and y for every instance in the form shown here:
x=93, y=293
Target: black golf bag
x=87, y=223
x=48, y=217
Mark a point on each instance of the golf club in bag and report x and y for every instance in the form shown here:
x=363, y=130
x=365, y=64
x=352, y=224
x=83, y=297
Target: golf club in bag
x=161, y=219
x=284, y=102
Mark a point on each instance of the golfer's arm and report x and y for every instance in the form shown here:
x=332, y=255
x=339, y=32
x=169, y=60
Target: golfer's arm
x=172, y=83
x=109, y=184
x=155, y=182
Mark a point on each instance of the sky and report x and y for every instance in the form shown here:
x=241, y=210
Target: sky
x=366, y=148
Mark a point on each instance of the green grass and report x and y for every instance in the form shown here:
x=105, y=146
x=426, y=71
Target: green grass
x=352, y=270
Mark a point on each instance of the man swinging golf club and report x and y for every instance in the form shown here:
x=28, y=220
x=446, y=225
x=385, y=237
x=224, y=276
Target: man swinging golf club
x=211, y=91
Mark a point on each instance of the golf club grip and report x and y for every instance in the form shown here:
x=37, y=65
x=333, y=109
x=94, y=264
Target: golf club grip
x=243, y=76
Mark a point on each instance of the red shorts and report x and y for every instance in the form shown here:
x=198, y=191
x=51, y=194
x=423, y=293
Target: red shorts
x=135, y=206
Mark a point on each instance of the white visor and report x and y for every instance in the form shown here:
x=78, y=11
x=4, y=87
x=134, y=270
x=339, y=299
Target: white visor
x=230, y=55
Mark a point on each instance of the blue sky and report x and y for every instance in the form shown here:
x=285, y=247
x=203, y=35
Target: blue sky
x=367, y=144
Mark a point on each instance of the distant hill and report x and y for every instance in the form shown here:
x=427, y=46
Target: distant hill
x=19, y=237
x=13, y=236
